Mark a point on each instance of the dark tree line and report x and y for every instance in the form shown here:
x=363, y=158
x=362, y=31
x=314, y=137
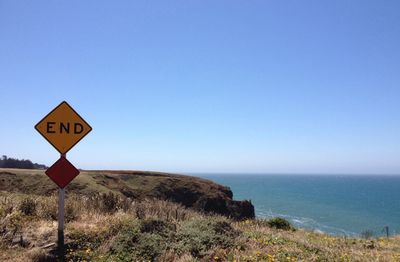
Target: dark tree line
x=6, y=162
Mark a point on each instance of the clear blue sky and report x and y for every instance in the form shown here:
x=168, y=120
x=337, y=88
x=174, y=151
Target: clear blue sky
x=207, y=86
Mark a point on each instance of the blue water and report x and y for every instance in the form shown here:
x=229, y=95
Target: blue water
x=338, y=205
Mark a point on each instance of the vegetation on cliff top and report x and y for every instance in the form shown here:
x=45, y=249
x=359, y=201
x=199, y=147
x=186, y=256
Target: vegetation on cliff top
x=108, y=227
x=147, y=216
x=194, y=192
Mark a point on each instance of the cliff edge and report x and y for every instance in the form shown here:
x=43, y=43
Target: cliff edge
x=193, y=192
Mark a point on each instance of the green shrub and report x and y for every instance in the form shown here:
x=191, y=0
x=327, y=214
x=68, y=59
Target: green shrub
x=150, y=246
x=155, y=226
x=198, y=236
x=28, y=207
x=85, y=239
x=279, y=223
x=140, y=243
x=140, y=240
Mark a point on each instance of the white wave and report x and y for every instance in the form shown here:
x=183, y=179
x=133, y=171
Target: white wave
x=308, y=223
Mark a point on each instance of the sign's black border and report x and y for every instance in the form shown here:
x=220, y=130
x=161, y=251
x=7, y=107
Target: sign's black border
x=63, y=102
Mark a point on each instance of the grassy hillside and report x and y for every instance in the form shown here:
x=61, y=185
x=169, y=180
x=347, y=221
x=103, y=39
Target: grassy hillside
x=110, y=228
x=102, y=181
x=194, y=192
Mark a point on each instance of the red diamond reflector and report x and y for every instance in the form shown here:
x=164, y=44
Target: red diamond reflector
x=62, y=172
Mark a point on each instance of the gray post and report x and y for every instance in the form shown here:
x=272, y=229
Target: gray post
x=386, y=230
x=61, y=197
x=60, y=239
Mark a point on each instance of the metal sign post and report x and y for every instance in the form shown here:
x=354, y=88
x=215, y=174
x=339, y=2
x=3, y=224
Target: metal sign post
x=61, y=201
x=60, y=238
x=61, y=198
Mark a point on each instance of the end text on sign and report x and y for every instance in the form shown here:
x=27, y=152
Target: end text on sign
x=64, y=127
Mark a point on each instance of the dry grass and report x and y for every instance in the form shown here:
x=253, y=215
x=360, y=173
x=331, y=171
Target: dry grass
x=113, y=228
x=189, y=191
x=264, y=243
x=140, y=183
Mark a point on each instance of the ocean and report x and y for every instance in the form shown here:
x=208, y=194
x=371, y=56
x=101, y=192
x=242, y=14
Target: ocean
x=343, y=205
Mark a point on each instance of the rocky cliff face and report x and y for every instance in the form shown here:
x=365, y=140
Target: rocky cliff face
x=206, y=196
x=193, y=192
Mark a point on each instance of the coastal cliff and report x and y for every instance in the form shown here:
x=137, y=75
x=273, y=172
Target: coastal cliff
x=192, y=192
x=121, y=216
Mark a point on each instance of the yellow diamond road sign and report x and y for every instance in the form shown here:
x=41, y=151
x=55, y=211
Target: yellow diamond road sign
x=63, y=127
